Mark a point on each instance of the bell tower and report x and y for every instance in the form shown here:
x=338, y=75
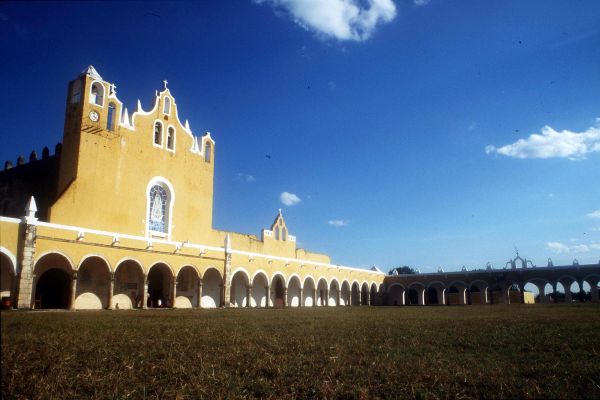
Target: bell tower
x=89, y=109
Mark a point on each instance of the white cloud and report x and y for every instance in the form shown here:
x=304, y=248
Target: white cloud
x=421, y=2
x=245, y=177
x=594, y=214
x=338, y=223
x=551, y=143
x=558, y=247
x=339, y=19
x=289, y=199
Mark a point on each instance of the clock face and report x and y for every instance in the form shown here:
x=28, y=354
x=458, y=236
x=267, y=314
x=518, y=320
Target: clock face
x=94, y=116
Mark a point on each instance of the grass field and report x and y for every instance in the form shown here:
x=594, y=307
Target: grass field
x=363, y=352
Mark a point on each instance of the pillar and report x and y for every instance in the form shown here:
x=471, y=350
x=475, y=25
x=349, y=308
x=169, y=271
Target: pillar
x=268, y=296
x=368, y=297
x=543, y=298
x=462, y=299
x=145, y=293
x=314, y=297
x=285, y=297
x=338, y=298
x=174, y=293
x=484, y=295
x=568, y=294
x=248, y=296
x=227, y=272
x=111, y=291
x=73, y=290
x=594, y=290
x=26, y=293
x=199, y=293
x=359, y=296
x=326, y=297
x=301, y=304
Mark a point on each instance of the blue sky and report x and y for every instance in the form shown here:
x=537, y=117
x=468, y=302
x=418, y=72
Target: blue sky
x=402, y=127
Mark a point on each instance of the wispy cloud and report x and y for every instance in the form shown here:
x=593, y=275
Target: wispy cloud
x=421, y=2
x=289, y=199
x=244, y=177
x=559, y=248
x=553, y=144
x=594, y=214
x=338, y=223
x=340, y=19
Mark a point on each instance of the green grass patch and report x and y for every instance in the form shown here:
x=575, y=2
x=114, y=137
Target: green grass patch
x=351, y=352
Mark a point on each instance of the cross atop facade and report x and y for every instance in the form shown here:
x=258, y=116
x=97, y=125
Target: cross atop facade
x=165, y=82
x=113, y=88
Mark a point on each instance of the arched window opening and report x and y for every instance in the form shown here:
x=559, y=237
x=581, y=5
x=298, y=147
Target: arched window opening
x=97, y=94
x=158, y=133
x=283, y=234
x=158, y=215
x=110, y=120
x=277, y=233
x=171, y=138
x=76, y=92
x=167, y=106
x=207, y=150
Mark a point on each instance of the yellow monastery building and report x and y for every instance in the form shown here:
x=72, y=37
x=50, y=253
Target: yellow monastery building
x=121, y=217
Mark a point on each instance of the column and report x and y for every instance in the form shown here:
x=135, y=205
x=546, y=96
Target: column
x=301, y=290
x=421, y=294
x=594, y=290
x=314, y=297
x=227, y=272
x=199, y=293
x=359, y=296
x=174, y=293
x=26, y=294
x=543, y=298
x=111, y=291
x=338, y=297
x=285, y=301
x=368, y=297
x=463, y=296
x=326, y=297
x=145, y=293
x=267, y=295
x=73, y=290
x=248, y=296
x=484, y=295
x=568, y=294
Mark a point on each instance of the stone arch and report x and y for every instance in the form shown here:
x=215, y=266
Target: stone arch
x=364, y=293
x=8, y=272
x=594, y=281
x=322, y=289
x=436, y=293
x=278, y=289
x=374, y=295
x=212, y=284
x=160, y=285
x=308, y=291
x=93, y=283
x=345, y=293
x=457, y=293
x=238, y=295
x=536, y=285
x=260, y=289
x=478, y=291
x=293, y=291
x=333, y=298
x=416, y=294
x=188, y=282
x=128, y=290
x=396, y=295
x=53, y=281
x=355, y=294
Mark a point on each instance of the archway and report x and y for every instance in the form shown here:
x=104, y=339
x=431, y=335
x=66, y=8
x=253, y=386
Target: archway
x=53, y=282
x=355, y=294
x=374, y=297
x=129, y=286
x=308, y=292
x=436, y=294
x=345, y=294
x=93, y=284
x=238, y=296
x=160, y=286
x=293, y=299
x=260, y=285
x=187, y=287
x=457, y=293
x=432, y=296
x=7, y=276
x=212, y=284
x=396, y=295
x=479, y=292
x=278, y=291
x=413, y=296
x=334, y=293
x=364, y=294
x=322, y=292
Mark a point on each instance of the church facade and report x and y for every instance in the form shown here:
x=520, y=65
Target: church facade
x=121, y=217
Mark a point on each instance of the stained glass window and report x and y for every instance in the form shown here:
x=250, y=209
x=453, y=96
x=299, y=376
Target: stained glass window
x=158, y=209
